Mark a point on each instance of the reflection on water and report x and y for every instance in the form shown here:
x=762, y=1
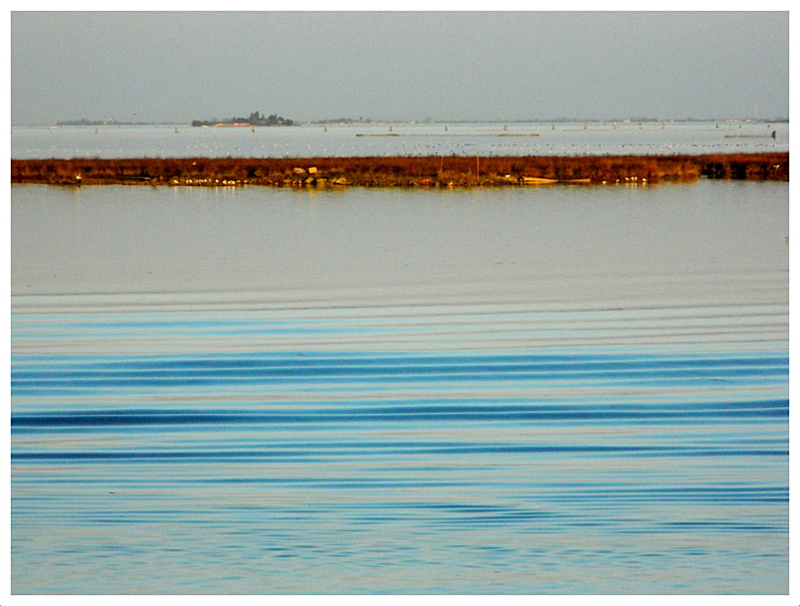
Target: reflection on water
x=571, y=390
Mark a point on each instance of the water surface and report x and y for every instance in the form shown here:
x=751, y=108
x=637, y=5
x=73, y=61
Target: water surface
x=549, y=391
x=484, y=139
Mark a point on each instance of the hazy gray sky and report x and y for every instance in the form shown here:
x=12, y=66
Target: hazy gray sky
x=180, y=66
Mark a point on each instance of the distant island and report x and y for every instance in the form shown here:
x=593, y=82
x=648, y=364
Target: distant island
x=255, y=119
x=86, y=122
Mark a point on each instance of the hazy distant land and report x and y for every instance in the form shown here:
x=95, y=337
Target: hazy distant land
x=258, y=119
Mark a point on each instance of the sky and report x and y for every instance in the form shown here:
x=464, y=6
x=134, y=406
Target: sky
x=399, y=66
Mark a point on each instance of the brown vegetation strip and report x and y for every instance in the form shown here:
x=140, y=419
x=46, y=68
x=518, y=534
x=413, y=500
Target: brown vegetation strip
x=401, y=171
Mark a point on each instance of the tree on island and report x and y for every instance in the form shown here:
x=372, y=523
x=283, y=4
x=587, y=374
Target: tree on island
x=255, y=119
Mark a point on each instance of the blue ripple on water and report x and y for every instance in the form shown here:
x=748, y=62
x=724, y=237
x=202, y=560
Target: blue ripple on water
x=185, y=372
x=300, y=454
x=706, y=411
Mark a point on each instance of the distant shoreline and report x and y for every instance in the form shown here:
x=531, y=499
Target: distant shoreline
x=84, y=122
x=401, y=171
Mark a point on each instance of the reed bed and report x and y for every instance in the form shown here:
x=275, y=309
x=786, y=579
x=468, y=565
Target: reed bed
x=401, y=171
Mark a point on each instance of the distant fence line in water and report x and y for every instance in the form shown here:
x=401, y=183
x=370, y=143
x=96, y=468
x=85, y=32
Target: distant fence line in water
x=401, y=171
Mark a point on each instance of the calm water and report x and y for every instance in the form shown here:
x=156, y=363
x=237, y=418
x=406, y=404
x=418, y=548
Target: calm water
x=543, y=390
x=516, y=139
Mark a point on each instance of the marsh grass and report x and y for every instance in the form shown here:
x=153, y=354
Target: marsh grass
x=400, y=171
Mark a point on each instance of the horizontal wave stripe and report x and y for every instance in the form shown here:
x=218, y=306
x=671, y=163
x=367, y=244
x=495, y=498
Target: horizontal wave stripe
x=137, y=373
x=719, y=410
x=639, y=451
x=249, y=369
